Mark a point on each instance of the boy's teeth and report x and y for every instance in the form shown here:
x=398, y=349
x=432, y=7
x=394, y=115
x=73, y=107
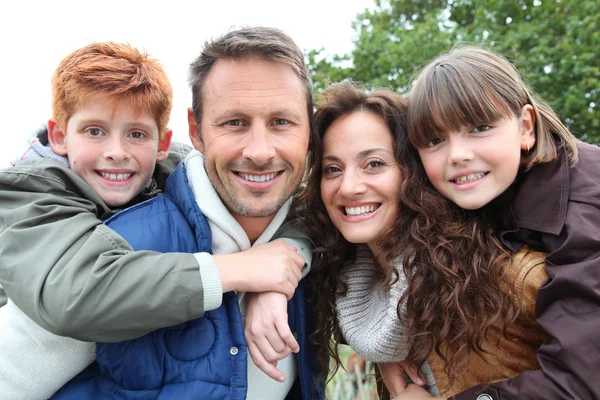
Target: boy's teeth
x=115, y=177
x=469, y=177
x=360, y=210
x=258, y=178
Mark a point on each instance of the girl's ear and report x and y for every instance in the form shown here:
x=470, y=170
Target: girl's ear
x=527, y=127
x=56, y=138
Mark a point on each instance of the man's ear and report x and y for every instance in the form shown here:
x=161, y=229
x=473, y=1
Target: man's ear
x=164, y=145
x=527, y=127
x=193, y=131
x=57, y=138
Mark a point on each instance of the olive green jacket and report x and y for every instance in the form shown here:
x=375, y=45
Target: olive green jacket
x=73, y=275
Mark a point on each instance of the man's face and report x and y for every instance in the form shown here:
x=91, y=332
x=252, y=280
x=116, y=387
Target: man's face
x=255, y=131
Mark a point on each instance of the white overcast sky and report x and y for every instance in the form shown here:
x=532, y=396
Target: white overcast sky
x=36, y=35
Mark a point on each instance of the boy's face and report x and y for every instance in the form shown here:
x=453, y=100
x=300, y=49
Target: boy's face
x=111, y=148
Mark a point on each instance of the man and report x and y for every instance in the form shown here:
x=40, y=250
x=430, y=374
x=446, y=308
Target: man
x=251, y=120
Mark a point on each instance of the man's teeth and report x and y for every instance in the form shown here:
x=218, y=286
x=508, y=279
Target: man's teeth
x=115, y=177
x=360, y=210
x=469, y=177
x=258, y=178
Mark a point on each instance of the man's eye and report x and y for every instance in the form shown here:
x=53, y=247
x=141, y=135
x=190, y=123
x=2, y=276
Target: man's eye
x=234, y=122
x=434, y=142
x=482, y=128
x=281, y=121
x=94, y=132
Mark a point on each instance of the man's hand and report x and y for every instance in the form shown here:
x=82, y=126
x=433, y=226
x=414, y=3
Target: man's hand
x=270, y=267
x=392, y=374
x=268, y=334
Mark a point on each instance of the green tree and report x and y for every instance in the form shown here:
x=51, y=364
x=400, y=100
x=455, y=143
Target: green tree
x=554, y=43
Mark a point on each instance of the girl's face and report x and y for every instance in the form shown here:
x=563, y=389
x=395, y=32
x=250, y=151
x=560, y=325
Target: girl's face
x=360, y=182
x=473, y=166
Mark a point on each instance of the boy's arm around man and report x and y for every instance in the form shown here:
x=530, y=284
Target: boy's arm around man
x=51, y=233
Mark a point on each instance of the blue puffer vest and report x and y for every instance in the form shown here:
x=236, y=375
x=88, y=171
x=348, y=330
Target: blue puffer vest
x=204, y=358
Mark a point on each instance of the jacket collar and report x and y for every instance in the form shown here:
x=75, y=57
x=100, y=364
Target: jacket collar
x=542, y=197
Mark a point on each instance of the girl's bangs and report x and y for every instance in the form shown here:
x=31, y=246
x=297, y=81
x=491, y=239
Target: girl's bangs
x=446, y=99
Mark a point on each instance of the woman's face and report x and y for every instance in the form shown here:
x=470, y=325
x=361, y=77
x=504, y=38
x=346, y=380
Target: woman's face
x=360, y=180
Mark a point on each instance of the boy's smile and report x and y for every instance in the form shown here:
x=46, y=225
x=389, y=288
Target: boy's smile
x=112, y=148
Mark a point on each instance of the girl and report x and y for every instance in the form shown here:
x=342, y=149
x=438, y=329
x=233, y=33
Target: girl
x=507, y=166
x=360, y=160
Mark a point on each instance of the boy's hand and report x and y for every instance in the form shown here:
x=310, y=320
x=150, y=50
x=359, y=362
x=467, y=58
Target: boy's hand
x=270, y=267
x=392, y=374
x=268, y=334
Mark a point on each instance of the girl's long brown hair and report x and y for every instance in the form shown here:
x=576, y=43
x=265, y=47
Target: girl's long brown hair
x=333, y=252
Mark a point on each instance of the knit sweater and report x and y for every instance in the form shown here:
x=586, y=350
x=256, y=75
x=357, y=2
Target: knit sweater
x=368, y=315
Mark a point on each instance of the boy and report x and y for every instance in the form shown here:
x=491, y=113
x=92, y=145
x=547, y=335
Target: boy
x=111, y=105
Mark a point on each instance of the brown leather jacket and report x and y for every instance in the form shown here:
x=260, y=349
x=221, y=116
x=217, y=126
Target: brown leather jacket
x=505, y=357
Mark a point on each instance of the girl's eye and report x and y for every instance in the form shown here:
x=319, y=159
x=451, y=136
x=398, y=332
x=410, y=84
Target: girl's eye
x=94, y=132
x=434, y=142
x=137, y=135
x=373, y=164
x=482, y=128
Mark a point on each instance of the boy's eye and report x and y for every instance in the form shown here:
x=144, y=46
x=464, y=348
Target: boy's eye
x=137, y=135
x=482, y=128
x=94, y=132
x=434, y=142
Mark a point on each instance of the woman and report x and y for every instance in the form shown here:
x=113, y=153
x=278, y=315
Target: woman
x=361, y=158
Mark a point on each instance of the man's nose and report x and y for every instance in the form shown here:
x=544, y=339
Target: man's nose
x=259, y=145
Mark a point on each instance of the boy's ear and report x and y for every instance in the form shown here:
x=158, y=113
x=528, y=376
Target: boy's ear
x=527, y=127
x=164, y=145
x=193, y=131
x=56, y=138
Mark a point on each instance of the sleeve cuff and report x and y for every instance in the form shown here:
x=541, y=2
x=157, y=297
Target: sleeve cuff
x=211, y=281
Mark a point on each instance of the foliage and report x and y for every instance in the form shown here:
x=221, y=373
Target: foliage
x=553, y=43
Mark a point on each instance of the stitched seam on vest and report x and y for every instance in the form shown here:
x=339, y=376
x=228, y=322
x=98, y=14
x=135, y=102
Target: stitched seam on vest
x=108, y=239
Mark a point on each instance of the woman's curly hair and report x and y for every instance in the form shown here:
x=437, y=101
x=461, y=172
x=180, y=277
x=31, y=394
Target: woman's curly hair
x=334, y=253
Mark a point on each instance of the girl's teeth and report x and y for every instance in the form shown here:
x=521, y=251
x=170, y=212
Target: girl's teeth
x=469, y=177
x=360, y=210
x=258, y=178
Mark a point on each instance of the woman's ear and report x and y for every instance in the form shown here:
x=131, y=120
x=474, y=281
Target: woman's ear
x=56, y=138
x=527, y=125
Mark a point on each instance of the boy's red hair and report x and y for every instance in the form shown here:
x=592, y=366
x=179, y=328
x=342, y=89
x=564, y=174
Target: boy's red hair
x=114, y=70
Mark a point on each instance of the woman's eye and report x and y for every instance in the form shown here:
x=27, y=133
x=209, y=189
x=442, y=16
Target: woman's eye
x=94, y=132
x=434, y=142
x=375, y=164
x=331, y=169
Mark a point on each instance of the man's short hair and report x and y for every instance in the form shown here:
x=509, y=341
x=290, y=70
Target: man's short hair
x=265, y=43
x=115, y=71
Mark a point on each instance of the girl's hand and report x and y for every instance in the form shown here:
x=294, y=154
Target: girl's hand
x=392, y=374
x=414, y=392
